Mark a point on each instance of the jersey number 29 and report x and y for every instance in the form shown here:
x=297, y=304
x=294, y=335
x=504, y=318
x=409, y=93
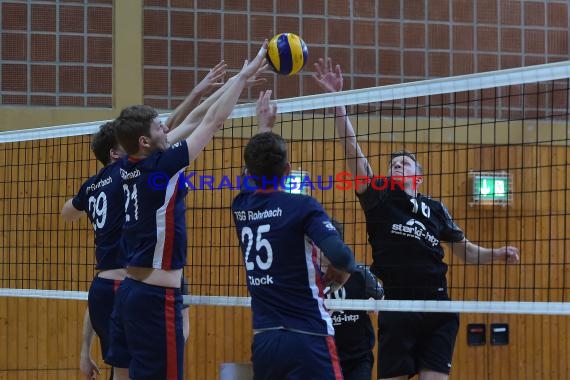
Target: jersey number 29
x=98, y=210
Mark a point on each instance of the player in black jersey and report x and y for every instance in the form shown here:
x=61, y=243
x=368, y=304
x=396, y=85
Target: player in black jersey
x=405, y=229
x=353, y=330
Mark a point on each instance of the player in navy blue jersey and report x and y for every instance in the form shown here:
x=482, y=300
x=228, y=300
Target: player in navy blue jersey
x=406, y=229
x=101, y=197
x=293, y=332
x=146, y=325
x=354, y=333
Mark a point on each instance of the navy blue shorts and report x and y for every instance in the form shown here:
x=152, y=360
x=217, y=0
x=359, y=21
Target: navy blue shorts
x=285, y=354
x=411, y=341
x=100, y=300
x=146, y=331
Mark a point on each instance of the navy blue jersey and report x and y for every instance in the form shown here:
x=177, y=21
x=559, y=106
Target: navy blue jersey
x=276, y=231
x=154, y=233
x=354, y=334
x=405, y=234
x=101, y=197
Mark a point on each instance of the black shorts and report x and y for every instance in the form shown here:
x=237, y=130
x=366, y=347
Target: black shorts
x=359, y=368
x=411, y=341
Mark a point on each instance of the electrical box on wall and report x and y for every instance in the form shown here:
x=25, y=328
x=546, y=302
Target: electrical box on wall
x=491, y=188
x=476, y=334
x=499, y=334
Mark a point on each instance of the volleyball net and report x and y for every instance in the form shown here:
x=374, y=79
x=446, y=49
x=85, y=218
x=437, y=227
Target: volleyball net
x=494, y=147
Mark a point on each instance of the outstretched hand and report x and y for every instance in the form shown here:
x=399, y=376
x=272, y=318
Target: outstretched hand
x=326, y=78
x=254, y=80
x=508, y=253
x=251, y=69
x=213, y=80
x=266, y=111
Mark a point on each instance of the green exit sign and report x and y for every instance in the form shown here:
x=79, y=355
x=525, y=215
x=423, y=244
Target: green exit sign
x=293, y=182
x=492, y=188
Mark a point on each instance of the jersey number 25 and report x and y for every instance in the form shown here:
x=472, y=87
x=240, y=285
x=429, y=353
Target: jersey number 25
x=260, y=243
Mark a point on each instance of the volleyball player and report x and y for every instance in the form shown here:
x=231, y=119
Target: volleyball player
x=405, y=229
x=293, y=333
x=101, y=197
x=353, y=330
x=146, y=329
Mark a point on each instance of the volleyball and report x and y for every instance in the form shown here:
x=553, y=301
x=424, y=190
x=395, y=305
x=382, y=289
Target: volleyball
x=287, y=53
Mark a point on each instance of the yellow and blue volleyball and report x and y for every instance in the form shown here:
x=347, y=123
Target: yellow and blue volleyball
x=287, y=53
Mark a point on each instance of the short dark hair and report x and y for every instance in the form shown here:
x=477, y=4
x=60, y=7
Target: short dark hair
x=265, y=157
x=407, y=153
x=132, y=123
x=103, y=141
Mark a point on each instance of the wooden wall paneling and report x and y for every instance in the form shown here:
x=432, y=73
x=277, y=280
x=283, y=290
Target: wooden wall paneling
x=499, y=358
x=47, y=333
x=216, y=324
x=469, y=362
x=5, y=343
x=201, y=340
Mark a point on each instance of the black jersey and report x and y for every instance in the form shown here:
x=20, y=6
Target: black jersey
x=354, y=334
x=405, y=234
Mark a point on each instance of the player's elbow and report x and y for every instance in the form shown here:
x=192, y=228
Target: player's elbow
x=68, y=216
x=459, y=249
x=69, y=213
x=339, y=255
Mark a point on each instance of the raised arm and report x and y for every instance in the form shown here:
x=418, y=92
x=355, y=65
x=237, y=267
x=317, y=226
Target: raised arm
x=212, y=81
x=474, y=254
x=266, y=112
x=222, y=107
x=356, y=162
x=186, y=123
x=193, y=120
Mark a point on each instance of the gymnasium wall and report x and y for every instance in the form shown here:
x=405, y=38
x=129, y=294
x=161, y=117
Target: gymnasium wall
x=83, y=60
